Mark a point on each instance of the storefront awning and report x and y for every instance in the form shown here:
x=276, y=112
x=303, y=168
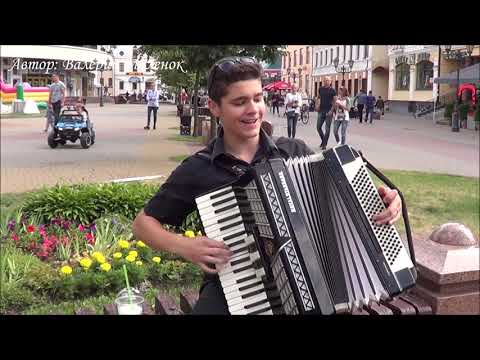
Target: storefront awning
x=468, y=75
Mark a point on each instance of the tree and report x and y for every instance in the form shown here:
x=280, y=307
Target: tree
x=196, y=60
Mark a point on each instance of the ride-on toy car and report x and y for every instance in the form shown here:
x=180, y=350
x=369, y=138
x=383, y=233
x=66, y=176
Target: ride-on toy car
x=71, y=126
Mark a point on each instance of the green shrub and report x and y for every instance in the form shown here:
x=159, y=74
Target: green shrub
x=42, y=279
x=15, y=298
x=87, y=202
x=92, y=283
x=15, y=264
x=463, y=110
x=449, y=110
x=174, y=271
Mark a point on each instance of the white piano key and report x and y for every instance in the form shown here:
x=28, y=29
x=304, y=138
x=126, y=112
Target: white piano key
x=229, y=268
x=235, y=294
x=236, y=286
x=233, y=280
x=208, y=197
x=216, y=220
x=239, y=275
x=214, y=234
x=218, y=202
x=248, y=301
x=214, y=226
x=266, y=307
x=208, y=213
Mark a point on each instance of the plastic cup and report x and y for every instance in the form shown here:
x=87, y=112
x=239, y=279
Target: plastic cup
x=130, y=306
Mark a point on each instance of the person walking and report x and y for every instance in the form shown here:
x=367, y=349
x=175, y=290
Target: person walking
x=360, y=101
x=152, y=106
x=380, y=105
x=324, y=106
x=276, y=102
x=369, y=108
x=293, y=103
x=56, y=95
x=342, y=116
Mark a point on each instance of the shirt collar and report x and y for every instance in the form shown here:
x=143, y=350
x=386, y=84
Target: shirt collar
x=267, y=145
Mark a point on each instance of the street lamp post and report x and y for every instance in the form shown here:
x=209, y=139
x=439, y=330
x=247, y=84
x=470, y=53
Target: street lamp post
x=458, y=56
x=343, y=69
x=102, y=82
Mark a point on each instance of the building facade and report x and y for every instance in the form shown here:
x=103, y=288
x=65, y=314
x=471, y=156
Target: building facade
x=369, y=71
x=297, y=67
x=129, y=72
x=413, y=69
x=76, y=66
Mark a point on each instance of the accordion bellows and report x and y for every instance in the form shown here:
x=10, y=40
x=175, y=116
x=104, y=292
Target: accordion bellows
x=303, y=231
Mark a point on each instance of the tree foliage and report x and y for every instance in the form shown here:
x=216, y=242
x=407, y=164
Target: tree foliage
x=196, y=60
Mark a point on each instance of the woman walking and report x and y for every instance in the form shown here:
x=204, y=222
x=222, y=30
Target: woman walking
x=342, y=116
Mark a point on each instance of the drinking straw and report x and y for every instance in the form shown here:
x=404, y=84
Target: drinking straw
x=128, y=285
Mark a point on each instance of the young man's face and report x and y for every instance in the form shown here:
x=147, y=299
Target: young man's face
x=241, y=109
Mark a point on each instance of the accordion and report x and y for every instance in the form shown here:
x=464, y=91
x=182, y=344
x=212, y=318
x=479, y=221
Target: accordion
x=303, y=237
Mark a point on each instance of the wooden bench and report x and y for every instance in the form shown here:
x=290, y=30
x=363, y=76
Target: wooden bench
x=165, y=304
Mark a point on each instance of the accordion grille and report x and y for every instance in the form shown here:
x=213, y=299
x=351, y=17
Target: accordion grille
x=386, y=234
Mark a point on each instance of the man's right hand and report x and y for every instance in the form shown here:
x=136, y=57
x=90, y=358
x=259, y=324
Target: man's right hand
x=201, y=250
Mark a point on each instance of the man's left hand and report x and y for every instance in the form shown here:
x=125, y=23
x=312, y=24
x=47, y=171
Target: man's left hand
x=393, y=212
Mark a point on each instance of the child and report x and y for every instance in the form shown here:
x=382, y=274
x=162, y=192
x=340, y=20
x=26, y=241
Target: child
x=49, y=119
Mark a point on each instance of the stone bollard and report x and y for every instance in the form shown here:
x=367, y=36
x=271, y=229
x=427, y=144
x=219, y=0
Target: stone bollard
x=448, y=270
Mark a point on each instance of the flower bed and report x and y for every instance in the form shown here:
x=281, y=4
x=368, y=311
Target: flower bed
x=48, y=259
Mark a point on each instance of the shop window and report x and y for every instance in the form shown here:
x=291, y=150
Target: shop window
x=425, y=75
x=402, y=76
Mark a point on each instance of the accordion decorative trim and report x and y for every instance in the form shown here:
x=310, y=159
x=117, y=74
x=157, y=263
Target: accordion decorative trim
x=288, y=247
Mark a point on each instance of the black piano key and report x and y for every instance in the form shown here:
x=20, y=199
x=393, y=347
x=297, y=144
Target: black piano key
x=228, y=207
x=260, y=302
x=229, y=237
x=228, y=191
x=231, y=225
x=253, y=293
x=243, y=288
x=228, y=218
x=236, y=262
x=243, y=269
x=256, y=312
x=237, y=243
x=251, y=277
x=223, y=201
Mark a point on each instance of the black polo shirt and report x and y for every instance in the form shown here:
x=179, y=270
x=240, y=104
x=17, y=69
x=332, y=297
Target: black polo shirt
x=326, y=97
x=208, y=170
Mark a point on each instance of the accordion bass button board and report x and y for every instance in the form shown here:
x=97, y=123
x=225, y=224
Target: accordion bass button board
x=303, y=238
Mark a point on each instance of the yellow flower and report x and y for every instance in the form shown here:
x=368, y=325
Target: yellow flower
x=156, y=259
x=106, y=267
x=133, y=253
x=199, y=233
x=130, y=258
x=140, y=243
x=99, y=257
x=189, y=233
x=117, y=255
x=123, y=244
x=86, y=263
x=139, y=263
x=66, y=270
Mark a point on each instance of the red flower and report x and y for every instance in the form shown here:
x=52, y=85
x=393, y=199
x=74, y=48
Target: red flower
x=90, y=238
x=81, y=228
x=30, y=228
x=14, y=237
